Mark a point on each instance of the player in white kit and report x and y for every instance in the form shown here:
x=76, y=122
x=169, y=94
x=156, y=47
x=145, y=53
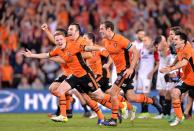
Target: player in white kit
x=164, y=81
x=140, y=34
x=145, y=72
x=146, y=65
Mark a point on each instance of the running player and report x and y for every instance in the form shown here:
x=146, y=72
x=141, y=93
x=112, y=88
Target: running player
x=73, y=62
x=74, y=34
x=101, y=69
x=173, y=30
x=60, y=79
x=118, y=48
x=184, y=60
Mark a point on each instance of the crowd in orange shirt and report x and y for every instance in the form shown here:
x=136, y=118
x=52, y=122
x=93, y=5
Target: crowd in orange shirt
x=20, y=22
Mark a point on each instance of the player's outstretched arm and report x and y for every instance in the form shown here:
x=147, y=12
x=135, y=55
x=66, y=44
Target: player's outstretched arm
x=29, y=54
x=93, y=48
x=178, y=65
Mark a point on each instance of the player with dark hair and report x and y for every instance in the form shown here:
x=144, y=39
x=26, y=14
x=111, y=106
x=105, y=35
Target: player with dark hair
x=185, y=61
x=119, y=48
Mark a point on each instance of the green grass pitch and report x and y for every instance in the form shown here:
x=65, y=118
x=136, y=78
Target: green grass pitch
x=40, y=122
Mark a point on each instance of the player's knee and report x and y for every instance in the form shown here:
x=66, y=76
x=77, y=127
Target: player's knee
x=94, y=96
x=51, y=89
x=175, y=93
x=61, y=90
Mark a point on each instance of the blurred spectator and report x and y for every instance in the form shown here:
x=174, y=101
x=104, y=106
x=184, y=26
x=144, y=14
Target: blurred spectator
x=24, y=83
x=20, y=22
x=7, y=74
x=37, y=84
x=50, y=68
x=18, y=69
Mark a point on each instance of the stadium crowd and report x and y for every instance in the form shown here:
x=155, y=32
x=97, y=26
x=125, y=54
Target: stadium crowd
x=21, y=20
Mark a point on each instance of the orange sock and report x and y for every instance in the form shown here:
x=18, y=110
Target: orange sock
x=115, y=107
x=107, y=97
x=141, y=98
x=121, y=105
x=106, y=101
x=94, y=106
x=106, y=104
x=121, y=98
x=99, y=114
x=68, y=101
x=177, y=108
x=129, y=106
x=62, y=105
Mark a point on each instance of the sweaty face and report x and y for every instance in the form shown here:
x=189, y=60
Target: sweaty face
x=103, y=31
x=60, y=41
x=72, y=30
x=89, y=41
x=178, y=42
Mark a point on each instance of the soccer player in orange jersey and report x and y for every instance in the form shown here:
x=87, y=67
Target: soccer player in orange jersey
x=188, y=109
x=118, y=47
x=71, y=56
x=74, y=35
x=67, y=72
x=90, y=102
x=185, y=61
x=100, y=65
